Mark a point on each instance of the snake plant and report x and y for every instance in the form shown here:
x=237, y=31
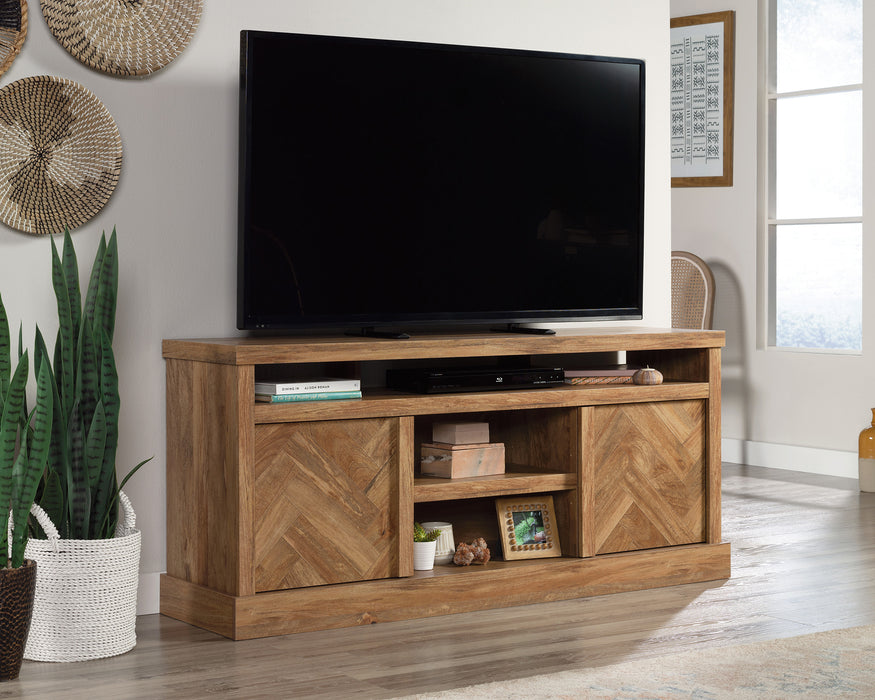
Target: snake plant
x=80, y=489
x=24, y=443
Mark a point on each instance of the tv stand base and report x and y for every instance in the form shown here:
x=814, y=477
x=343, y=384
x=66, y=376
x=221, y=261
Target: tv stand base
x=498, y=584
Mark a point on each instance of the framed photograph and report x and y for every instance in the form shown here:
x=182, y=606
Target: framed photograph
x=702, y=99
x=528, y=527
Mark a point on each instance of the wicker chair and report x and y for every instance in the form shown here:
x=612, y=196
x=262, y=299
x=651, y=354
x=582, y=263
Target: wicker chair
x=692, y=291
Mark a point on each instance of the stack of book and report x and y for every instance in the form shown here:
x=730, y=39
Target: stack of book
x=615, y=374
x=315, y=389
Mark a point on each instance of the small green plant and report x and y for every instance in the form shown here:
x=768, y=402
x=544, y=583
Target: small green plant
x=24, y=443
x=420, y=534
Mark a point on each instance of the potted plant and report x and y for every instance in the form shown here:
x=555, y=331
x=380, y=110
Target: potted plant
x=424, y=546
x=74, y=618
x=24, y=446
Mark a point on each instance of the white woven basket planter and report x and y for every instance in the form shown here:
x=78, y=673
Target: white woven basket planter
x=86, y=592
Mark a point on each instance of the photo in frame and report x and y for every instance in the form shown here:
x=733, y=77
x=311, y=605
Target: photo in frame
x=702, y=99
x=527, y=526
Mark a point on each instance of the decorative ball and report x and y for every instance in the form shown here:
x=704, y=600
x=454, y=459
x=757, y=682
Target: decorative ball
x=647, y=375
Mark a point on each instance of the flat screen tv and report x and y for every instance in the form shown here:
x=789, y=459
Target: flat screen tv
x=389, y=183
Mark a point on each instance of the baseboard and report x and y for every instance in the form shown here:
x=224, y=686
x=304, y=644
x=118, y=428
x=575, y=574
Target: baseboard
x=812, y=460
x=148, y=595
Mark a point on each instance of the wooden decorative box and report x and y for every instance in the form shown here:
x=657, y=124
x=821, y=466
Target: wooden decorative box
x=460, y=433
x=456, y=461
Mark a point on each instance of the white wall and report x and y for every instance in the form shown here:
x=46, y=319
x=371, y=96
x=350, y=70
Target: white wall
x=176, y=202
x=782, y=409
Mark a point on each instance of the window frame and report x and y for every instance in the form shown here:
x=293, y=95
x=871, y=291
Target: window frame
x=767, y=110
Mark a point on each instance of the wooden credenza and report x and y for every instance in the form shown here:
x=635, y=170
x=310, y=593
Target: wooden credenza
x=295, y=517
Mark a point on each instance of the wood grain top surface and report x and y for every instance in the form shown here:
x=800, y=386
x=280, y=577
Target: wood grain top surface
x=339, y=348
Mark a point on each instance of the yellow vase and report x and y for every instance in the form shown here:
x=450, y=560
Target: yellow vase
x=867, y=457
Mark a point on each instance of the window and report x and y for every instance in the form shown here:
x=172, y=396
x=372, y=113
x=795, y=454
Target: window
x=815, y=197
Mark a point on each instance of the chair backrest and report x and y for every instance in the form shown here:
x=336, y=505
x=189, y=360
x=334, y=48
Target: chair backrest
x=692, y=291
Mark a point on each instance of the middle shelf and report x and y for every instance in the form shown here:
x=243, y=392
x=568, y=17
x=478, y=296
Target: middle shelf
x=427, y=489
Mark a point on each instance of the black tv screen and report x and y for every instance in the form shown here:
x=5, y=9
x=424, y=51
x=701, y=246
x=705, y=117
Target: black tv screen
x=389, y=183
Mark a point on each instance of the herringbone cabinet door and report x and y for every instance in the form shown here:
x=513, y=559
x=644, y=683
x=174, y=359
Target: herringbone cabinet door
x=326, y=501
x=649, y=475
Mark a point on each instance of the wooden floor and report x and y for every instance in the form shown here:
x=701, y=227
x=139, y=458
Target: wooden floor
x=803, y=561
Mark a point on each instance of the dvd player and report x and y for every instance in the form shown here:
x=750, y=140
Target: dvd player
x=438, y=381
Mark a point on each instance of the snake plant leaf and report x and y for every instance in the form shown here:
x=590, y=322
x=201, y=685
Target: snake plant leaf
x=87, y=374
x=24, y=410
x=65, y=346
x=57, y=362
x=133, y=471
x=94, y=281
x=79, y=495
x=103, y=508
x=111, y=515
x=111, y=401
x=80, y=507
x=43, y=415
x=13, y=402
x=95, y=443
x=30, y=464
x=19, y=531
x=10, y=420
x=51, y=499
x=5, y=351
x=70, y=267
x=40, y=352
x=107, y=290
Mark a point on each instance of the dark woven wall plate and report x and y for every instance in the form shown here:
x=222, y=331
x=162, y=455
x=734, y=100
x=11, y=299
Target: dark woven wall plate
x=123, y=37
x=13, y=30
x=60, y=154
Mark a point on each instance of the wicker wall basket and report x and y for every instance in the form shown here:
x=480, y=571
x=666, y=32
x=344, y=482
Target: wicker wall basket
x=13, y=31
x=125, y=38
x=60, y=154
x=86, y=592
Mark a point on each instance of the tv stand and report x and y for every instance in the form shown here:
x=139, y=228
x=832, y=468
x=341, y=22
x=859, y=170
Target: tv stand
x=295, y=517
x=517, y=328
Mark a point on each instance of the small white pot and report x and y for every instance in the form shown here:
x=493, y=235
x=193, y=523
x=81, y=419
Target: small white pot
x=423, y=555
x=446, y=546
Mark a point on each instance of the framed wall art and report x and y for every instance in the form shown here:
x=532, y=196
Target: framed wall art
x=527, y=526
x=702, y=99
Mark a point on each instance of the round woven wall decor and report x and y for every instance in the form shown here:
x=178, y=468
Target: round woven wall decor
x=13, y=30
x=123, y=37
x=60, y=154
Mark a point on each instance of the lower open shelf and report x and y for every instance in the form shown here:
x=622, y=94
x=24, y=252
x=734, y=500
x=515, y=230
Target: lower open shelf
x=497, y=584
x=521, y=566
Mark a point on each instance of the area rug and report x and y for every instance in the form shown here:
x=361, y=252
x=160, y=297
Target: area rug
x=836, y=664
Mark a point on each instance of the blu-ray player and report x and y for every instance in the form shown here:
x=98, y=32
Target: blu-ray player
x=437, y=381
